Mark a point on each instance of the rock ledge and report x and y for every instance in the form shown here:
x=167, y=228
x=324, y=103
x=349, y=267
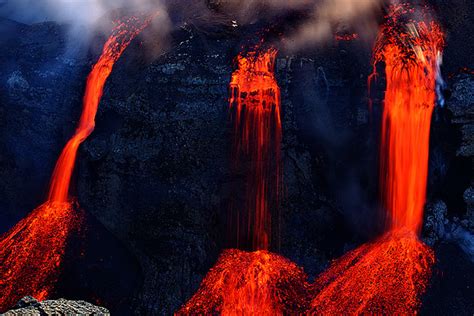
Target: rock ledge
x=29, y=306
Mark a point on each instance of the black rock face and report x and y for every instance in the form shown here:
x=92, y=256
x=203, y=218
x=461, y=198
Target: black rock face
x=154, y=177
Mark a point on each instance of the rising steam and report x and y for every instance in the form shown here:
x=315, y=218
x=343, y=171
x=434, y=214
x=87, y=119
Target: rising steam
x=331, y=16
x=87, y=17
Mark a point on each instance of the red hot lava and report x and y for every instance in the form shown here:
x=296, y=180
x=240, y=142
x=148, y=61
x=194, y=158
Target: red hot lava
x=32, y=251
x=255, y=106
x=250, y=283
x=247, y=283
x=388, y=275
x=412, y=60
x=385, y=277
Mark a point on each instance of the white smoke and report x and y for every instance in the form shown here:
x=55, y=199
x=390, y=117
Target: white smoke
x=331, y=16
x=87, y=17
x=326, y=17
x=83, y=18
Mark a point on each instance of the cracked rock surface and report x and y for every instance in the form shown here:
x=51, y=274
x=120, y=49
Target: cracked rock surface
x=29, y=306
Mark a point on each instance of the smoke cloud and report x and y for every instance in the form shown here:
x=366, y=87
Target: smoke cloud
x=331, y=16
x=87, y=17
x=83, y=18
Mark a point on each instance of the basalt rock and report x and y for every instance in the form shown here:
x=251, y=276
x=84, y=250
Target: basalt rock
x=28, y=306
x=462, y=106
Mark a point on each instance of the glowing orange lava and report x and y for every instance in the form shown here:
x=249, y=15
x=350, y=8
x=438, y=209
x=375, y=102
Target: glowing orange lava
x=412, y=58
x=247, y=283
x=389, y=275
x=255, y=107
x=250, y=283
x=385, y=277
x=32, y=251
x=123, y=34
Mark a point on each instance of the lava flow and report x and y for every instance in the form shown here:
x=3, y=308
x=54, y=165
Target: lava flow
x=250, y=283
x=259, y=282
x=31, y=252
x=412, y=60
x=389, y=275
x=255, y=108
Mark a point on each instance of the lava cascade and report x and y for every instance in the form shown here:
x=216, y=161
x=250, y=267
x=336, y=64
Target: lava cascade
x=412, y=60
x=250, y=283
x=123, y=34
x=259, y=282
x=255, y=110
x=388, y=276
x=31, y=252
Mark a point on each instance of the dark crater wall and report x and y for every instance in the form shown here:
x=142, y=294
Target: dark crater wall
x=154, y=177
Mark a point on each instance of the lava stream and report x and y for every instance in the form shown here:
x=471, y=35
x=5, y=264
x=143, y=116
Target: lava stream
x=31, y=252
x=124, y=32
x=389, y=275
x=255, y=109
x=412, y=58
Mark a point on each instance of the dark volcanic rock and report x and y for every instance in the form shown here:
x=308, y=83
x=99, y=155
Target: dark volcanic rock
x=28, y=306
x=155, y=172
x=462, y=106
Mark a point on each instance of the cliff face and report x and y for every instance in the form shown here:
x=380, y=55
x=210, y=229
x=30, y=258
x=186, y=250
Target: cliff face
x=156, y=172
x=155, y=177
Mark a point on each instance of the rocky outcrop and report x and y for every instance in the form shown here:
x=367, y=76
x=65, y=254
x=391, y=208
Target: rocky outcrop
x=462, y=106
x=440, y=228
x=28, y=306
x=455, y=224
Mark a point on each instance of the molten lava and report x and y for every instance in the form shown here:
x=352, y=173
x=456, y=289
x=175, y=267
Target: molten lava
x=385, y=277
x=123, y=34
x=253, y=282
x=389, y=275
x=250, y=283
x=255, y=108
x=412, y=56
x=32, y=251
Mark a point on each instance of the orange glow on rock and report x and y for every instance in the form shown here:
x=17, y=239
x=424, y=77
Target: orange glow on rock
x=255, y=108
x=250, y=283
x=31, y=252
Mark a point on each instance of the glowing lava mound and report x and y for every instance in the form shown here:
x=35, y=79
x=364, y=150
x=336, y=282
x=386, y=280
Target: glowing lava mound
x=31, y=252
x=385, y=277
x=250, y=283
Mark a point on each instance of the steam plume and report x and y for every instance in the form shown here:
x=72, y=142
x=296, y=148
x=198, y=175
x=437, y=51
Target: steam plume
x=87, y=17
x=330, y=16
